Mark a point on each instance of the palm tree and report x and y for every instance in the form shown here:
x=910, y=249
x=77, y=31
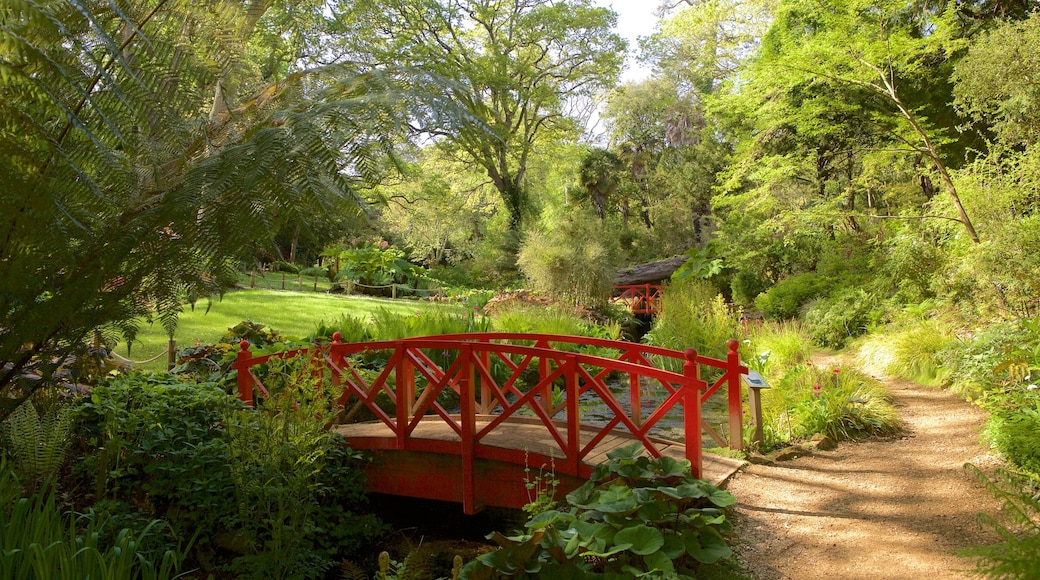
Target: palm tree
x=133, y=174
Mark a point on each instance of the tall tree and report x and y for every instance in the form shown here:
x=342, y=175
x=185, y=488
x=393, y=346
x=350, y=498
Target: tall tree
x=140, y=156
x=877, y=51
x=515, y=65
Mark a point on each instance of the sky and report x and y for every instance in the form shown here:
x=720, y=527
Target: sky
x=635, y=18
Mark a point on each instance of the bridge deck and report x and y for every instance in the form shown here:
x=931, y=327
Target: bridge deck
x=429, y=466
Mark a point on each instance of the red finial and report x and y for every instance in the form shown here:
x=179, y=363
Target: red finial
x=337, y=338
x=733, y=345
x=691, y=354
x=244, y=345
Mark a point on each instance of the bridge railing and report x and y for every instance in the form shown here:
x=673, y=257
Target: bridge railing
x=640, y=298
x=501, y=376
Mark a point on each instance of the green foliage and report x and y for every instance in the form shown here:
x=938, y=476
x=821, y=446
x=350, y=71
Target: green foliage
x=377, y=266
x=39, y=541
x=775, y=347
x=1013, y=424
x=37, y=442
x=572, y=263
x=635, y=516
x=1017, y=555
x=993, y=81
x=156, y=442
x=849, y=313
x=693, y=314
x=787, y=297
x=700, y=265
x=387, y=325
x=276, y=455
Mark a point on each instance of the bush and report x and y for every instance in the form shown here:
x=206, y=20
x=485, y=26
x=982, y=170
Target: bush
x=831, y=322
x=1017, y=555
x=785, y=298
x=747, y=285
x=156, y=443
x=1013, y=425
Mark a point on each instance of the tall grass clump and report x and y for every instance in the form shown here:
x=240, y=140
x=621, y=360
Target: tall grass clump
x=910, y=351
x=39, y=540
x=694, y=314
x=842, y=404
x=772, y=347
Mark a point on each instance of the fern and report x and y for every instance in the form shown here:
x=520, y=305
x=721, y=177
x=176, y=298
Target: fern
x=38, y=443
x=1017, y=555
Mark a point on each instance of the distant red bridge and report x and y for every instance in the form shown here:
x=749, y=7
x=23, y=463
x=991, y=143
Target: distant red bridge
x=640, y=298
x=517, y=402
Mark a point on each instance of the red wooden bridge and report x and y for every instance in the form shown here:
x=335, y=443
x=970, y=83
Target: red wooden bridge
x=466, y=417
x=640, y=298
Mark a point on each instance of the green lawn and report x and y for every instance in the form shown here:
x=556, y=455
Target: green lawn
x=294, y=314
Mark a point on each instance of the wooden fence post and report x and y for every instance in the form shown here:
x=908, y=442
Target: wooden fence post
x=692, y=411
x=171, y=353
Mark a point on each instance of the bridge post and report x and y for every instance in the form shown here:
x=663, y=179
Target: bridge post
x=692, y=411
x=244, y=379
x=573, y=450
x=405, y=392
x=467, y=419
x=736, y=416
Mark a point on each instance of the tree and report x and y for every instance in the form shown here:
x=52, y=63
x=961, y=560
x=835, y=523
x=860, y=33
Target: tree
x=878, y=48
x=600, y=175
x=515, y=65
x=135, y=175
x=996, y=81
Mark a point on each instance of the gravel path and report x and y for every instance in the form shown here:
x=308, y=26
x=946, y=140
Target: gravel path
x=884, y=508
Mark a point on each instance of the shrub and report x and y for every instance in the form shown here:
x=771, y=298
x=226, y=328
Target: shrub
x=831, y=322
x=747, y=285
x=157, y=443
x=635, y=516
x=785, y=298
x=1013, y=425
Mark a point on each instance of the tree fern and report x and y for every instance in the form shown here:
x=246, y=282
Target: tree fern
x=126, y=190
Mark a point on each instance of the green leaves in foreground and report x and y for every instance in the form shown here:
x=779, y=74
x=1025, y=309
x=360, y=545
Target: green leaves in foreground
x=636, y=517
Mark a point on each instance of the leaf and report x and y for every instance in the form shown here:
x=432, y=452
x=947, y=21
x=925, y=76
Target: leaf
x=642, y=538
x=707, y=547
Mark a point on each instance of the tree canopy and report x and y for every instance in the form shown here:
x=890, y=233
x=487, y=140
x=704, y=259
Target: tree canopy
x=516, y=66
